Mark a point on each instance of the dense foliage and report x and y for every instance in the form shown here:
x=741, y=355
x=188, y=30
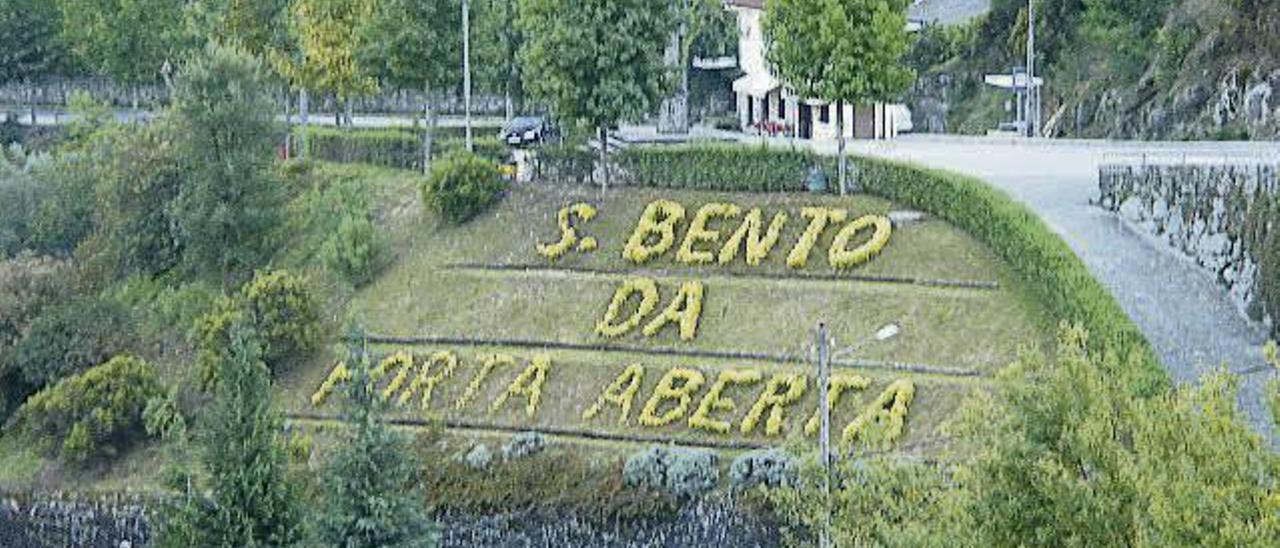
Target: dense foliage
x=228, y=205
x=95, y=413
x=281, y=310
x=67, y=338
x=371, y=496
x=242, y=458
x=1062, y=454
x=462, y=186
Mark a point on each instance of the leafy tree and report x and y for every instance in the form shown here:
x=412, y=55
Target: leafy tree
x=257, y=27
x=128, y=40
x=840, y=51
x=371, y=495
x=1064, y=455
x=705, y=29
x=228, y=205
x=596, y=62
x=495, y=44
x=29, y=284
x=251, y=502
x=415, y=44
x=325, y=35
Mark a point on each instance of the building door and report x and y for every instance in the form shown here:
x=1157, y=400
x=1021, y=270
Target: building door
x=806, y=121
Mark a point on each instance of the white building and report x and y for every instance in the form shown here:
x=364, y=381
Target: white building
x=766, y=105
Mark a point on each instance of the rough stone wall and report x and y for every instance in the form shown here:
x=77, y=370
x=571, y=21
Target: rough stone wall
x=119, y=521
x=113, y=521
x=1220, y=216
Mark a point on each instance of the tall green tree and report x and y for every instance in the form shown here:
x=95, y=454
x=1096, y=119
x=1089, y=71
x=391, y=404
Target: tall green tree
x=596, y=62
x=839, y=51
x=241, y=451
x=370, y=495
x=255, y=26
x=415, y=44
x=130, y=41
x=228, y=206
x=495, y=43
x=325, y=35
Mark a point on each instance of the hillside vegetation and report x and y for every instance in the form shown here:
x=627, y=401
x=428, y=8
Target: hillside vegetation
x=1161, y=69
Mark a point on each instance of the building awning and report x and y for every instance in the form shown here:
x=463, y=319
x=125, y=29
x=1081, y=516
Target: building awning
x=755, y=85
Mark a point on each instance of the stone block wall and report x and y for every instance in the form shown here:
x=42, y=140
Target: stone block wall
x=1223, y=217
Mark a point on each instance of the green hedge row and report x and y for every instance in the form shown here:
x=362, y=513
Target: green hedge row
x=394, y=148
x=1049, y=267
x=720, y=167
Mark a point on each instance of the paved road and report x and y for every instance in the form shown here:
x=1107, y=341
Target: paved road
x=1190, y=320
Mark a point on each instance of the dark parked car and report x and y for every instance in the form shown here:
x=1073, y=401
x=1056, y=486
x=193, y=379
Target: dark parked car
x=527, y=130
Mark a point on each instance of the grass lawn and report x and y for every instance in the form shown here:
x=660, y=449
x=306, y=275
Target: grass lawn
x=467, y=282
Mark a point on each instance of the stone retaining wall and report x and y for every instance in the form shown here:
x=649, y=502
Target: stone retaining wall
x=1222, y=217
x=118, y=521
x=111, y=521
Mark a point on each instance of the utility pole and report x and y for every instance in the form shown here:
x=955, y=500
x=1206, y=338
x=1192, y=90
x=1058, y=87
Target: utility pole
x=824, y=447
x=1033, y=91
x=466, y=69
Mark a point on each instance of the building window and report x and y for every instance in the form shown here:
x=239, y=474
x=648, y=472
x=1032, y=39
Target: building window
x=782, y=108
x=824, y=114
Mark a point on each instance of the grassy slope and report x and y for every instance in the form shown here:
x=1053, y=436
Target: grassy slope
x=421, y=295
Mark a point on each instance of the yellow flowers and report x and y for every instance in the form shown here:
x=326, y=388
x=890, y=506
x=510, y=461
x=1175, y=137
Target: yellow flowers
x=569, y=233
x=339, y=374
x=659, y=219
x=818, y=217
x=837, y=386
x=528, y=384
x=882, y=423
x=425, y=381
x=402, y=364
x=685, y=309
x=841, y=257
x=698, y=233
x=758, y=245
x=782, y=390
x=715, y=401
x=621, y=393
x=477, y=382
x=689, y=381
x=648, y=290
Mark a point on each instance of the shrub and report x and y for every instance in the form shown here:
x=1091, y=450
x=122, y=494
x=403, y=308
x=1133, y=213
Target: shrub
x=285, y=313
x=768, y=467
x=68, y=338
x=338, y=228
x=524, y=444
x=680, y=471
x=281, y=311
x=96, y=413
x=462, y=186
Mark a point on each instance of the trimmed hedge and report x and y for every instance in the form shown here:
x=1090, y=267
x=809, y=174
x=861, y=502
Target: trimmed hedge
x=719, y=167
x=1049, y=267
x=391, y=147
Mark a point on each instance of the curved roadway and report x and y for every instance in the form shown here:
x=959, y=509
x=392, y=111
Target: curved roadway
x=1187, y=316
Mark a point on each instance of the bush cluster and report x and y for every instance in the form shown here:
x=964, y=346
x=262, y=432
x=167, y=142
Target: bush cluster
x=768, y=467
x=281, y=309
x=393, y=148
x=462, y=186
x=680, y=471
x=67, y=338
x=95, y=413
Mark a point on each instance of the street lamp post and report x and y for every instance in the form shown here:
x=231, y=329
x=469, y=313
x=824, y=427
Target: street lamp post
x=466, y=70
x=1033, y=91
